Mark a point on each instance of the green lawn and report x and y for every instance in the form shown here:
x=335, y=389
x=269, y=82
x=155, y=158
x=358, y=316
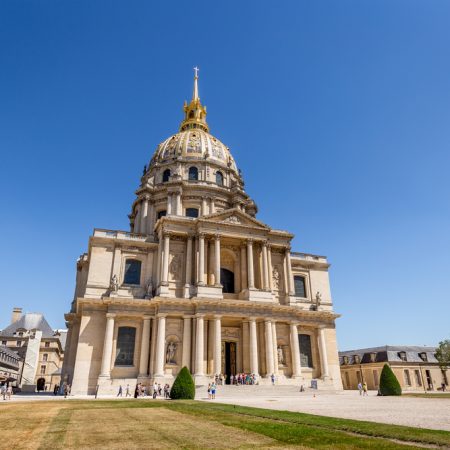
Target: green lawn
x=136, y=424
x=428, y=395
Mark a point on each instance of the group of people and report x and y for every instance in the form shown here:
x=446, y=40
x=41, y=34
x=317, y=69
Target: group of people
x=6, y=391
x=142, y=391
x=362, y=388
x=239, y=379
x=212, y=387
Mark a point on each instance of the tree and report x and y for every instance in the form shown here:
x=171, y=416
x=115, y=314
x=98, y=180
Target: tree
x=389, y=384
x=183, y=387
x=443, y=354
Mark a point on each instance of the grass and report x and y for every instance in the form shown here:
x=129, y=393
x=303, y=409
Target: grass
x=428, y=395
x=135, y=424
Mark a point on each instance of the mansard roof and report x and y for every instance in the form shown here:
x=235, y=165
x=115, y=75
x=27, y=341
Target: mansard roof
x=29, y=321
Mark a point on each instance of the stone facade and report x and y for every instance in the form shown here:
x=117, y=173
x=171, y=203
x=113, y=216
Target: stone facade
x=40, y=348
x=415, y=367
x=198, y=282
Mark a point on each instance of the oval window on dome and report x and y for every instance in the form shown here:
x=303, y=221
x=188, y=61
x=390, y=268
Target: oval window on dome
x=193, y=174
x=219, y=178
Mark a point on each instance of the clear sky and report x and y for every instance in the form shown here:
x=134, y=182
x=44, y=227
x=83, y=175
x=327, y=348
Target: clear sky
x=337, y=112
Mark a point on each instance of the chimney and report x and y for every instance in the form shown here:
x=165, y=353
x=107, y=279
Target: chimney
x=16, y=314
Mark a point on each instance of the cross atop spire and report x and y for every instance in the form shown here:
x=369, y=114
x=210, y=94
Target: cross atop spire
x=195, y=93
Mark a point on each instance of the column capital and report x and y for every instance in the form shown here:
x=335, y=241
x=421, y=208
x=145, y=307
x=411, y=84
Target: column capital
x=250, y=241
x=287, y=249
x=264, y=243
x=146, y=317
x=110, y=315
x=199, y=315
x=294, y=324
x=146, y=197
x=188, y=316
x=217, y=316
x=161, y=316
x=252, y=319
x=267, y=321
x=322, y=327
x=201, y=235
x=217, y=237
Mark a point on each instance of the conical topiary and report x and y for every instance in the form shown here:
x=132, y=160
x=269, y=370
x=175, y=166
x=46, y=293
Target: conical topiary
x=389, y=384
x=183, y=387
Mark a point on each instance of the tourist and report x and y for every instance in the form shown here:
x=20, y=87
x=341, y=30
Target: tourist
x=136, y=391
x=443, y=386
x=127, y=391
x=166, y=391
x=360, y=388
x=302, y=388
x=209, y=391
x=272, y=377
x=231, y=379
x=66, y=390
x=155, y=389
x=159, y=390
x=119, y=394
x=213, y=391
x=9, y=392
x=55, y=389
x=365, y=389
x=3, y=391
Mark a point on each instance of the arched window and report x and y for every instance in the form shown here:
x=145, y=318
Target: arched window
x=227, y=281
x=166, y=176
x=193, y=174
x=219, y=178
x=300, y=288
x=161, y=213
x=132, y=272
x=191, y=212
x=126, y=337
x=304, y=341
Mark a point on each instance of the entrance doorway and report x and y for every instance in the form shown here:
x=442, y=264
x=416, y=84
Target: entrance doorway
x=227, y=281
x=40, y=385
x=229, y=359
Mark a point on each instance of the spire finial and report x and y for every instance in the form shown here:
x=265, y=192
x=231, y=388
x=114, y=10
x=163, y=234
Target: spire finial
x=195, y=93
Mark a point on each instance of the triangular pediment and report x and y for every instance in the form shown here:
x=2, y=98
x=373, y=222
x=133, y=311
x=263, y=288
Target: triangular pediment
x=235, y=217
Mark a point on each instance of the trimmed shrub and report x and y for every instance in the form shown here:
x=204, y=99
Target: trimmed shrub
x=389, y=384
x=183, y=387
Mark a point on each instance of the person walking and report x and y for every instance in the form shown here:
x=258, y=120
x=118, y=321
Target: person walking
x=119, y=394
x=365, y=393
x=443, y=386
x=360, y=388
x=66, y=390
x=272, y=377
x=3, y=391
x=209, y=391
x=155, y=389
x=213, y=391
x=9, y=392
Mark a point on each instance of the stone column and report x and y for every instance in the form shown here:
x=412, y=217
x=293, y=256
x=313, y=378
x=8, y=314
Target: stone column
x=295, y=352
x=269, y=348
x=153, y=347
x=186, y=358
x=243, y=269
x=159, y=261
x=211, y=274
x=199, y=347
x=137, y=221
x=245, y=346
x=160, y=347
x=145, y=344
x=165, y=264
x=188, y=280
x=169, y=204
x=323, y=352
x=178, y=204
x=250, y=269
x=275, y=347
x=253, y=347
x=150, y=217
x=201, y=260
x=217, y=346
x=269, y=267
x=107, y=346
x=203, y=208
x=265, y=264
x=289, y=272
x=144, y=215
x=217, y=260
x=212, y=206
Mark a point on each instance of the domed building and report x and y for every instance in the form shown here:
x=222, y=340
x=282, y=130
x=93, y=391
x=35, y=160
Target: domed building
x=198, y=281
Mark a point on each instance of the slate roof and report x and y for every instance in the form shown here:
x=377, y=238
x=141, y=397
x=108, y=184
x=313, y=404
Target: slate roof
x=390, y=353
x=9, y=352
x=29, y=321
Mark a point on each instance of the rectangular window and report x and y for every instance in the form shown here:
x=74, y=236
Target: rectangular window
x=47, y=345
x=132, y=272
x=305, y=350
x=161, y=214
x=19, y=344
x=300, y=287
x=375, y=378
x=358, y=376
x=191, y=212
x=347, y=380
x=407, y=377
x=418, y=378
x=42, y=370
x=44, y=357
x=125, y=346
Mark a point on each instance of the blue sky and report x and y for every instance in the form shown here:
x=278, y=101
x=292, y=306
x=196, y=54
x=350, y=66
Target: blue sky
x=336, y=112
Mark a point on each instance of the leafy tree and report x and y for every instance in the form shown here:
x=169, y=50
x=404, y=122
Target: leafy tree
x=183, y=387
x=389, y=384
x=443, y=354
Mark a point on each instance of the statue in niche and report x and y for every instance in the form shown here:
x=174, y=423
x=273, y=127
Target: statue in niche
x=170, y=353
x=276, y=279
x=318, y=299
x=174, y=266
x=149, y=290
x=114, y=283
x=280, y=353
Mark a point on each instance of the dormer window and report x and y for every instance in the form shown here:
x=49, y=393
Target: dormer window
x=402, y=356
x=373, y=357
x=423, y=356
x=166, y=176
x=357, y=359
x=345, y=360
